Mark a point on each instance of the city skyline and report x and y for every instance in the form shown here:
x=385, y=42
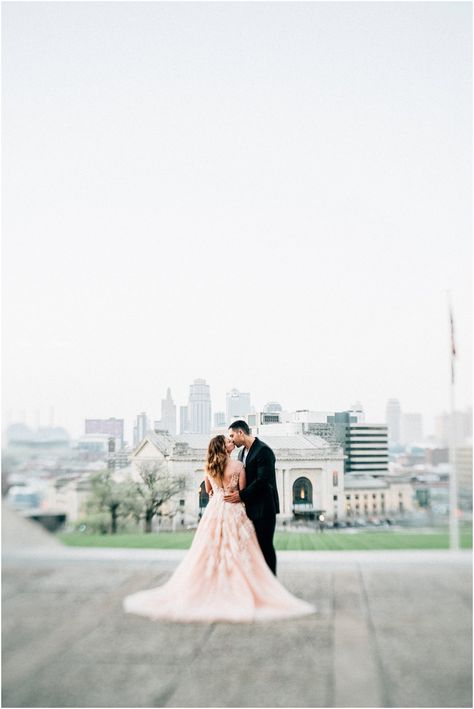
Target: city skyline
x=429, y=430
x=273, y=196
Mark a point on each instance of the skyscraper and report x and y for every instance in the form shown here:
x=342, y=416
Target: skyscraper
x=393, y=414
x=140, y=428
x=272, y=407
x=358, y=410
x=219, y=419
x=366, y=447
x=462, y=424
x=168, y=413
x=411, y=429
x=199, y=407
x=183, y=419
x=237, y=405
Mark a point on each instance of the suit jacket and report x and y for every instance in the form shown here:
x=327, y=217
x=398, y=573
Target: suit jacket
x=260, y=494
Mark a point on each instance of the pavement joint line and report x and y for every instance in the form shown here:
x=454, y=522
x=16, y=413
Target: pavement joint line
x=353, y=640
x=11, y=556
x=177, y=683
x=376, y=650
x=332, y=680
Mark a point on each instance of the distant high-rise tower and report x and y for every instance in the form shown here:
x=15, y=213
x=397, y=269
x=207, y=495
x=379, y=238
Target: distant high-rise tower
x=411, y=429
x=168, y=413
x=237, y=405
x=358, y=410
x=183, y=419
x=462, y=427
x=393, y=415
x=140, y=428
x=272, y=407
x=219, y=419
x=199, y=407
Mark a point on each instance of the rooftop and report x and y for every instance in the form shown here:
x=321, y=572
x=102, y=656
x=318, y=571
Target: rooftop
x=360, y=481
x=197, y=441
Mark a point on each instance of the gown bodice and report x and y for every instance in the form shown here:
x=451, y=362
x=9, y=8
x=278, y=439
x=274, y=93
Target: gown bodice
x=230, y=484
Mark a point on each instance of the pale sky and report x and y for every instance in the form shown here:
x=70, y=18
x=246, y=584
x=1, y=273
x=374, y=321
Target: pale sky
x=271, y=196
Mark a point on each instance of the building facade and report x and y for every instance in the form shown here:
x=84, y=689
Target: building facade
x=309, y=472
x=366, y=497
x=366, y=447
x=112, y=426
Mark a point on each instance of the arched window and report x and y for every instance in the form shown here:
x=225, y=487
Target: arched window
x=203, y=496
x=302, y=492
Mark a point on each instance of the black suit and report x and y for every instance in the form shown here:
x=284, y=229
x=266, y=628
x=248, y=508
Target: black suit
x=260, y=496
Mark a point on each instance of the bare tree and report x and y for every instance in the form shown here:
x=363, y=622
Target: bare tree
x=156, y=487
x=108, y=494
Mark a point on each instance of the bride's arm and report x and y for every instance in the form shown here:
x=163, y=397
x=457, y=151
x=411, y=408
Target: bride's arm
x=208, y=485
x=242, y=478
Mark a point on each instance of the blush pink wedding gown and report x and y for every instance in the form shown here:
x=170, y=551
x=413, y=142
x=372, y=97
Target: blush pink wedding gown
x=224, y=576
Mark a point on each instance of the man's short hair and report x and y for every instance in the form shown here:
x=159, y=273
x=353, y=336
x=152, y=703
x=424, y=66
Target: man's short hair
x=240, y=424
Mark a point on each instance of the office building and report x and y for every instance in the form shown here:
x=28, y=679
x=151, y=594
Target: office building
x=168, y=414
x=237, y=405
x=199, y=407
x=140, y=428
x=393, y=420
x=411, y=429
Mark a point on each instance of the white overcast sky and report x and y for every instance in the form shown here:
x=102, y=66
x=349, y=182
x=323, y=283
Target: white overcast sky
x=272, y=196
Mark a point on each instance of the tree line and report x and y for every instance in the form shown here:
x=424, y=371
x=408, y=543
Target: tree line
x=138, y=500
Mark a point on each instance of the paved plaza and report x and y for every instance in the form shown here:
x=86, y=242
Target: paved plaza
x=393, y=629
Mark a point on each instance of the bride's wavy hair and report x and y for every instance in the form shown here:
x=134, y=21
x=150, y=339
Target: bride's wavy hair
x=216, y=457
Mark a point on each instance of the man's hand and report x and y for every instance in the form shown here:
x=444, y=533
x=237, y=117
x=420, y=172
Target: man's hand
x=232, y=497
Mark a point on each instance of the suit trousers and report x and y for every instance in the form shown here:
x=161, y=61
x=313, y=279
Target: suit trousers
x=264, y=529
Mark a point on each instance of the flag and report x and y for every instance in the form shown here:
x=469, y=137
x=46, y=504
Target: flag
x=453, y=345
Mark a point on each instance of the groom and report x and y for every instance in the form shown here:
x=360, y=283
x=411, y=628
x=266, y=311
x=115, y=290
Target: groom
x=260, y=494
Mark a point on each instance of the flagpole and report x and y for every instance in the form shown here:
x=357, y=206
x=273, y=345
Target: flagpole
x=453, y=488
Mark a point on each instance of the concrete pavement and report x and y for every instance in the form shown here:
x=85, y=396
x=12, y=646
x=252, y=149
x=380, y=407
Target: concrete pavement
x=394, y=629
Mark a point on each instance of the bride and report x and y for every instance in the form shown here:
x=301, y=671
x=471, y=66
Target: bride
x=224, y=575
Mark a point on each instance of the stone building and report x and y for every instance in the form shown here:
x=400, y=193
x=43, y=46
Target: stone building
x=367, y=497
x=310, y=473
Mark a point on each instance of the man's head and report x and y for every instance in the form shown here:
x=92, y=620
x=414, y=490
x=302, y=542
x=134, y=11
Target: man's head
x=237, y=432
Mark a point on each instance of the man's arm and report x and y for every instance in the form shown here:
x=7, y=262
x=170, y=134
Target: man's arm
x=265, y=469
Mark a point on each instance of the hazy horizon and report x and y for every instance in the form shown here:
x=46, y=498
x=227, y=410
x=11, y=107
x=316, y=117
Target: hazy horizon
x=271, y=196
x=35, y=419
